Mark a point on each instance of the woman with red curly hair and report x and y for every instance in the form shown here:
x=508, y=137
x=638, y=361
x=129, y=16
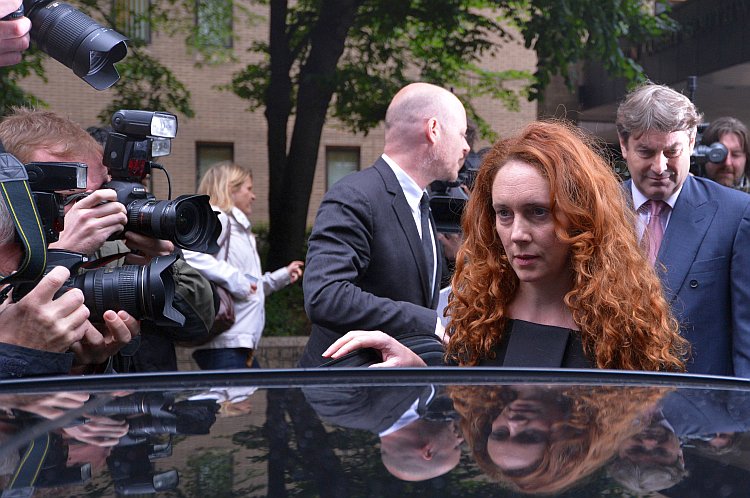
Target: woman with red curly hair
x=550, y=273
x=550, y=249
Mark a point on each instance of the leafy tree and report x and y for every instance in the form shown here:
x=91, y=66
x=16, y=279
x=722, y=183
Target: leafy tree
x=10, y=93
x=345, y=59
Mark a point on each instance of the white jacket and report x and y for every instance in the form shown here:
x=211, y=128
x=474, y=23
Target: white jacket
x=243, y=259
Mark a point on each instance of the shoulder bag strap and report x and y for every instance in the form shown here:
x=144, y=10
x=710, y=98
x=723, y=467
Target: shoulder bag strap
x=229, y=235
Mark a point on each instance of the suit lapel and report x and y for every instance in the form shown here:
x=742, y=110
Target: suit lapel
x=406, y=222
x=692, y=215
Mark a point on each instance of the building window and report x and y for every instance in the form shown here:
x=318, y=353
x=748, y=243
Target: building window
x=340, y=161
x=209, y=154
x=132, y=17
x=213, y=20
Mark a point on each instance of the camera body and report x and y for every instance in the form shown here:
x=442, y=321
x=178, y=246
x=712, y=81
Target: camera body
x=448, y=199
x=702, y=153
x=51, y=182
x=137, y=138
x=145, y=292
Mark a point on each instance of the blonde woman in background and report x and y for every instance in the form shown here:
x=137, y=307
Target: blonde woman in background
x=231, y=190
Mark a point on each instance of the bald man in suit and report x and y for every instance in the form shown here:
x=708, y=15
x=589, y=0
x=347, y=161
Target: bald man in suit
x=372, y=263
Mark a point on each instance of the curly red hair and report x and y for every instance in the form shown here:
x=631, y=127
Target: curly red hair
x=598, y=420
x=616, y=298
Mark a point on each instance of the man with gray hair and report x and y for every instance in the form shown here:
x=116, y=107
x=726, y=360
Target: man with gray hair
x=373, y=262
x=651, y=460
x=695, y=231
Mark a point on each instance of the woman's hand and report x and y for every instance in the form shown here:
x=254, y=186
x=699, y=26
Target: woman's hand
x=295, y=270
x=394, y=353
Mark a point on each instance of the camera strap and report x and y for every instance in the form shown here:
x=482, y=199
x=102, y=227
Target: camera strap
x=28, y=469
x=19, y=199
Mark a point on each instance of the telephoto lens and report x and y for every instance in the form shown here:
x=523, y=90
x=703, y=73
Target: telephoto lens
x=145, y=292
x=77, y=41
x=188, y=221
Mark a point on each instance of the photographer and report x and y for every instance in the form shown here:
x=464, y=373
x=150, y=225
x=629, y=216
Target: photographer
x=33, y=135
x=41, y=335
x=14, y=34
x=731, y=133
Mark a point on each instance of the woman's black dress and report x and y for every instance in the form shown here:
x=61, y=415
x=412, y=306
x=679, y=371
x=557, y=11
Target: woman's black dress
x=526, y=344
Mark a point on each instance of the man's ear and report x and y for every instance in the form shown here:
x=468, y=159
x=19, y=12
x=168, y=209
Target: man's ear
x=623, y=147
x=432, y=131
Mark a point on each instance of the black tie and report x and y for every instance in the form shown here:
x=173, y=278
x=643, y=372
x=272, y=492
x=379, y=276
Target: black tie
x=424, y=209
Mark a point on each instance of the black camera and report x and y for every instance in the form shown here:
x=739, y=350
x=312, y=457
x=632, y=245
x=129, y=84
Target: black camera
x=702, y=153
x=153, y=419
x=145, y=292
x=51, y=183
x=75, y=40
x=448, y=199
x=137, y=138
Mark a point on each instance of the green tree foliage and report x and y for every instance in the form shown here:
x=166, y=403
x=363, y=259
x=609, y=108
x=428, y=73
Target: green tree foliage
x=11, y=94
x=145, y=81
x=346, y=58
x=563, y=32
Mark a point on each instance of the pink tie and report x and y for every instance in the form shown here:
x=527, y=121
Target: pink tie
x=654, y=229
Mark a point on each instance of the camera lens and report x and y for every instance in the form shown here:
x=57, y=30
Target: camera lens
x=77, y=41
x=187, y=218
x=104, y=287
x=188, y=221
x=145, y=292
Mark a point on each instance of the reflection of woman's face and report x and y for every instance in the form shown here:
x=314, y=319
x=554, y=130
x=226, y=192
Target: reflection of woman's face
x=522, y=432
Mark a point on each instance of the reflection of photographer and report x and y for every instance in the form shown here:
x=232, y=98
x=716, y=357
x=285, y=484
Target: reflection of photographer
x=90, y=222
x=152, y=419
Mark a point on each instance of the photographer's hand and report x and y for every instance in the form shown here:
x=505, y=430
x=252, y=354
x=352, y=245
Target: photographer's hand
x=96, y=347
x=98, y=431
x=145, y=248
x=451, y=243
x=14, y=34
x=38, y=321
x=91, y=221
x=52, y=406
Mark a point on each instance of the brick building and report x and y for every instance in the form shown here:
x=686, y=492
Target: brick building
x=223, y=128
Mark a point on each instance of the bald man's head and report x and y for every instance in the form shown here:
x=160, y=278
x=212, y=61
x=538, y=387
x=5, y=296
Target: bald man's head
x=421, y=450
x=425, y=132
